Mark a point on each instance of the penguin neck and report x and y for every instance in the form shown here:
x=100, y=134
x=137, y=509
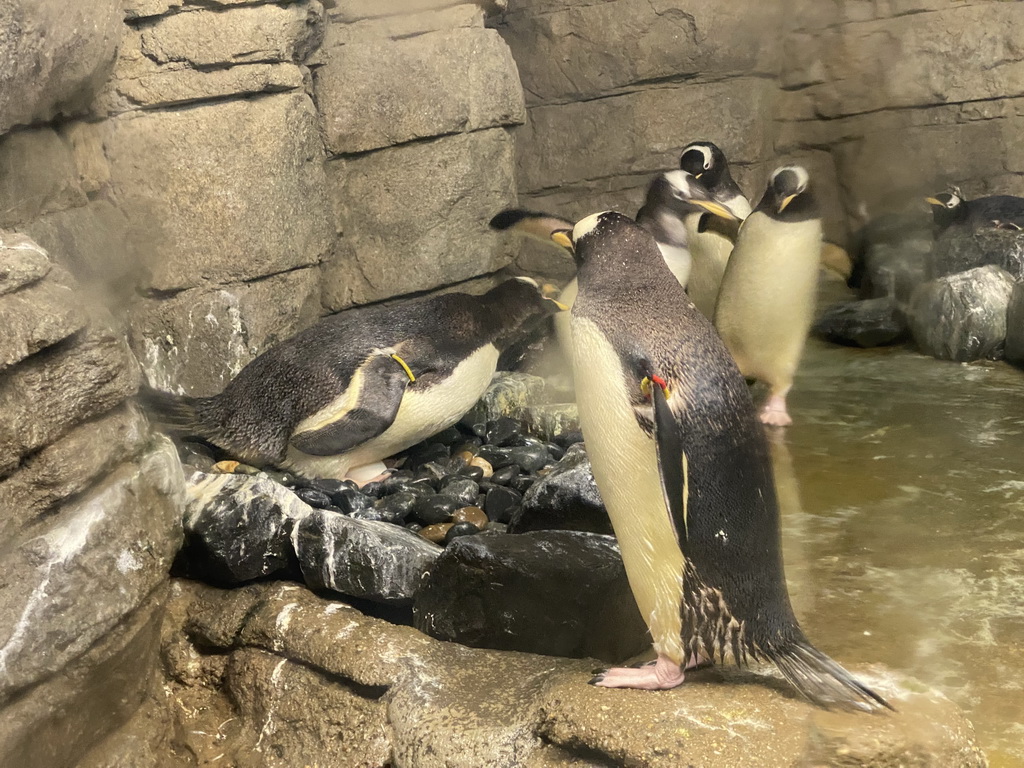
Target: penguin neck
x=803, y=207
x=505, y=312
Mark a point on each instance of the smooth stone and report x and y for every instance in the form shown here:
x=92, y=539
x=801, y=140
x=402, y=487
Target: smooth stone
x=425, y=454
x=454, y=466
x=568, y=438
x=436, y=532
x=287, y=479
x=329, y=485
x=314, y=497
x=375, y=489
x=447, y=436
x=494, y=528
x=485, y=467
x=247, y=469
x=473, y=515
x=473, y=473
x=398, y=480
x=555, y=450
x=531, y=457
x=866, y=323
x=500, y=501
x=414, y=527
x=396, y=507
x=431, y=510
x=496, y=457
x=468, y=445
x=504, y=475
x=226, y=467
x=436, y=471
x=461, y=488
x=479, y=429
x=198, y=456
x=566, y=497
x=503, y=431
x=522, y=483
x=349, y=501
x=369, y=514
x=466, y=456
x=460, y=529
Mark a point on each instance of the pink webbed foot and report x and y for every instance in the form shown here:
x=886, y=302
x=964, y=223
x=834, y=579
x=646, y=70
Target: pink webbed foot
x=653, y=676
x=774, y=412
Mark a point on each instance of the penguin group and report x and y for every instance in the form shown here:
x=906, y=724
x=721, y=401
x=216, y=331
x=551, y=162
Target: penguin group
x=752, y=271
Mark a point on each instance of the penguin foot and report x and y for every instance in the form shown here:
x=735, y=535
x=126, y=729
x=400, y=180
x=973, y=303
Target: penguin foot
x=774, y=412
x=656, y=676
x=368, y=473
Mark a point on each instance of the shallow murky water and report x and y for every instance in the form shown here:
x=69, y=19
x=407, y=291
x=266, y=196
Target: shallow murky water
x=902, y=488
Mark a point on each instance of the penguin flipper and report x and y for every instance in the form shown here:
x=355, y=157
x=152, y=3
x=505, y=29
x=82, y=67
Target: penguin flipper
x=672, y=463
x=384, y=381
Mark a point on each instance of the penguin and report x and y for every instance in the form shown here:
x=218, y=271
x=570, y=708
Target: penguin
x=684, y=470
x=952, y=209
x=671, y=196
x=709, y=245
x=766, y=303
x=357, y=387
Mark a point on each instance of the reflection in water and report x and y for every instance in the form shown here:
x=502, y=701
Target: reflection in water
x=901, y=485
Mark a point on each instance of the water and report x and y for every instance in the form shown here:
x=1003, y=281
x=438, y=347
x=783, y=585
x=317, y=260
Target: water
x=902, y=489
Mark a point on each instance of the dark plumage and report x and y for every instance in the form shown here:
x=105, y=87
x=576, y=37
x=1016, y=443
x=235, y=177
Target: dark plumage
x=951, y=209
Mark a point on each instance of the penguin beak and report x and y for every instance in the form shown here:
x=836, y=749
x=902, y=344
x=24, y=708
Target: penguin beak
x=933, y=201
x=561, y=237
x=716, y=208
x=785, y=201
x=561, y=307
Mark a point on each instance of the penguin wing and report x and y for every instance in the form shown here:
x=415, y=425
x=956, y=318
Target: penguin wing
x=672, y=463
x=379, y=384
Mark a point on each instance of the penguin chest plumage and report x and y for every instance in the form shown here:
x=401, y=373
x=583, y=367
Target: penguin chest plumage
x=766, y=303
x=424, y=411
x=709, y=253
x=624, y=461
x=678, y=260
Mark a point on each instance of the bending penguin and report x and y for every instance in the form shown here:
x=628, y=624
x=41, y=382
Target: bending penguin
x=671, y=197
x=360, y=386
x=683, y=468
x=766, y=303
x=952, y=209
x=710, y=244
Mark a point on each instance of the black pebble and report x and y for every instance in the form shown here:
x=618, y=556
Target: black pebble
x=332, y=487
x=314, y=497
x=368, y=514
x=375, y=489
x=414, y=527
x=555, y=450
x=460, y=529
x=503, y=431
x=332, y=508
x=472, y=472
x=530, y=457
x=504, y=475
x=471, y=444
x=499, y=503
x=396, y=507
x=480, y=430
x=462, y=488
x=430, y=510
x=437, y=472
x=396, y=481
x=426, y=453
x=350, y=502
x=567, y=438
x=522, y=483
x=447, y=436
x=498, y=457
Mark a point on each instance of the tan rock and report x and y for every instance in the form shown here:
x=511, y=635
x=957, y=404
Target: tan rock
x=37, y=175
x=425, y=203
x=34, y=318
x=203, y=211
x=22, y=261
x=86, y=144
x=375, y=91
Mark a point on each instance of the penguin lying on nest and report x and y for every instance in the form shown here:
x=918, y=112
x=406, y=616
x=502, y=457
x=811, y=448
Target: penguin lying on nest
x=355, y=388
x=766, y=302
x=952, y=209
x=683, y=467
x=709, y=245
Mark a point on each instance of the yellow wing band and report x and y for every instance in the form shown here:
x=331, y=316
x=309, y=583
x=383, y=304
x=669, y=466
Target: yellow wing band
x=405, y=367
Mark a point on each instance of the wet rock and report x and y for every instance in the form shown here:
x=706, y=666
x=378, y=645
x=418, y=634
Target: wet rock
x=522, y=483
x=426, y=452
x=565, y=498
x=1015, y=325
x=504, y=475
x=473, y=515
x=461, y=488
x=507, y=397
x=963, y=316
x=314, y=497
x=436, y=532
x=238, y=527
x=460, y=529
x=196, y=455
x=435, y=509
x=396, y=507
x=36, y=317
x=867, y=323
x=961, y=248
x=473, y=472
x=530, y=457
x=350, y=501
x=560, y=593
x=22, y=262
x=361, y=558
x=547, y=420
x=500, y=503
x=502, y=432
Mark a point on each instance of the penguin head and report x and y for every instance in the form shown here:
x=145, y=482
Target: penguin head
x=680, y=193
x=610, y=235
x=705, y=161
x=947, y=207
x=789, y=196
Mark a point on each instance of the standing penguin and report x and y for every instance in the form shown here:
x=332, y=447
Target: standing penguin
x=709, y=245
x=357, y=387
x=766, y=303
x=683, y=468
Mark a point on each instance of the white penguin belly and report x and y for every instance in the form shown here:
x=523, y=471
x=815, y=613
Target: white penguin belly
x=678, y=260
x=766, y=303
x=421, y=414
x=625, y=465
x=709, y=254
x=563, y=320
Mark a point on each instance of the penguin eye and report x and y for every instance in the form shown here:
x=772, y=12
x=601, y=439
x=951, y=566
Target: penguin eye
x=707, y=164
x=951, y=203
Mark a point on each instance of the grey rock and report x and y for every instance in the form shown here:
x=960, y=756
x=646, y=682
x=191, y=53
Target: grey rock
x=35, y=318
x=375, y=92
x=557, y=593
x=1015, y=325
x=361, y=558
x=431, y=198
x=54, y=56
x=37, y=176
x=565, y=498
x=896, y=269
x=73, y=579
x=203, y=211
x=45, y=396
x=69, y=466
x=963, y=316
x=547, y=421
x=867, y=323
x=86, y=142
x=201, y=338
x=960, y=249
x=238, y=527
x=22, y=262
x=509, y=395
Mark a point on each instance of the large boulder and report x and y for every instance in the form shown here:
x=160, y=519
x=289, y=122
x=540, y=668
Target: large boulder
x=565, y=498
x=867, y=323
x=959, y=249
x=963, y=316
x=559, y=593
x=1015, y=325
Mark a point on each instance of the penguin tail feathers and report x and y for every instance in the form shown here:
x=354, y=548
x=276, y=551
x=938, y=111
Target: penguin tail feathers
x=540, y=226
x=177, y=413
x=823, y=681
